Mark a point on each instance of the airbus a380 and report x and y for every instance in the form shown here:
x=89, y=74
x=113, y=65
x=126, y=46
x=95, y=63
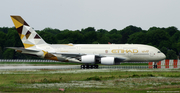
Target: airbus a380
x=88, y=54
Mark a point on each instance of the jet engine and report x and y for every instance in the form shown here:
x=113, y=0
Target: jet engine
x=88, y=59
x=110, y=61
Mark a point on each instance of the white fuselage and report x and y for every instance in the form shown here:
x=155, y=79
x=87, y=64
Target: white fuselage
x=129, y=52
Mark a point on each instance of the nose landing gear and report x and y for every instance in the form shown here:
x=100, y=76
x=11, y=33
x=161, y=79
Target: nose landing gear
x=89, y=66
x=155, y=65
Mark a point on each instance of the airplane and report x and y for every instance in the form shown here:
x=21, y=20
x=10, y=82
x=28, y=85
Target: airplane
x=90, y=55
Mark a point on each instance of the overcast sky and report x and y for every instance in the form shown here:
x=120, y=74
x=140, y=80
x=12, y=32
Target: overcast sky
x=101, y=14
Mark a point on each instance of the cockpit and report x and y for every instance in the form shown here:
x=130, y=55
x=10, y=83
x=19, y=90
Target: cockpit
x=159, y=52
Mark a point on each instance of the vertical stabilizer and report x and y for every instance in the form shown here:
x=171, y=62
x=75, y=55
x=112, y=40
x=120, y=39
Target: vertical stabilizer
x=28, y=36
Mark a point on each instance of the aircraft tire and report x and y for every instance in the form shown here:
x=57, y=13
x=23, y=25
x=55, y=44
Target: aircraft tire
x=97, y=66
x=155, y=66
x=93, y=66
x=89, y=66
x=82, y=66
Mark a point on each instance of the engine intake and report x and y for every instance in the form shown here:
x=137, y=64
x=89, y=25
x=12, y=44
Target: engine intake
x=109, y=61
x=88, y=59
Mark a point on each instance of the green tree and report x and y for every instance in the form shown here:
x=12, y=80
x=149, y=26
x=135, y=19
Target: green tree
x=104, y=40
x=18, y=55
x=178, y=48
x=171, y=30
x=4, y=29
x=89, y=29
x=2, y=38
x=102, y=31
x=75, y=37
x=156, y=35
x=11, y=38
x=95, y=42
x=138, y=38
x=1, y=53
x=113, y=31
x=90, y=37
x=164, y=50
x=48, y=37
x=171, y=54
x=64, y=41
x=63, y=35
x=128, y=31
x=162, y=38
x=115, y=38
x=8, y=54
x=165, y=43
x=175, y=37
x=52, y=31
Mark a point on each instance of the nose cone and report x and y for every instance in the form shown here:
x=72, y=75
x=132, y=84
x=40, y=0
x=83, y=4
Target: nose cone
x=163, y=56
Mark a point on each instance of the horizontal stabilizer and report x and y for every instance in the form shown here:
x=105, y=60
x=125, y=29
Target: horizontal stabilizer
x=23, y=49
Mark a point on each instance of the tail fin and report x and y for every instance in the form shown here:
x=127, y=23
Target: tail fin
x=28, y=36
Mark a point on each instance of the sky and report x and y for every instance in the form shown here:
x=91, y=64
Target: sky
x=100, y=14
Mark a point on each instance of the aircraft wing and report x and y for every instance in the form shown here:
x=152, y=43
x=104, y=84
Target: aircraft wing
x=73, y=55
x=76, y=55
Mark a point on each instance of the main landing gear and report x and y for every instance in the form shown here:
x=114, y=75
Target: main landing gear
x=89, y=66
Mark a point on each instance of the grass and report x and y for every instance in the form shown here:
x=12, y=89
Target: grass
x=107, y=81
x=66, y=77
x=73, y=90
x=114, y=80
x=99, y=78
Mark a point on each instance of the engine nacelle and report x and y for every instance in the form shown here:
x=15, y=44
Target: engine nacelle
x=88, y=59
x=108, y=60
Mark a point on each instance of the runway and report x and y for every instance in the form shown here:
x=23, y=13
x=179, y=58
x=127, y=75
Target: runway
x=37, y=67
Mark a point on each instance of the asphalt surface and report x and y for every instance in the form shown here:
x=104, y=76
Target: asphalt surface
x=36, y=67
x=24, y=67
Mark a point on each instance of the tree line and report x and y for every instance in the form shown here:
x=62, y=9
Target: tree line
x=165, y=39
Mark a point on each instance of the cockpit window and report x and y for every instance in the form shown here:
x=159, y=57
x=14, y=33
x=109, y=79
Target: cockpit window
x=159, y=51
